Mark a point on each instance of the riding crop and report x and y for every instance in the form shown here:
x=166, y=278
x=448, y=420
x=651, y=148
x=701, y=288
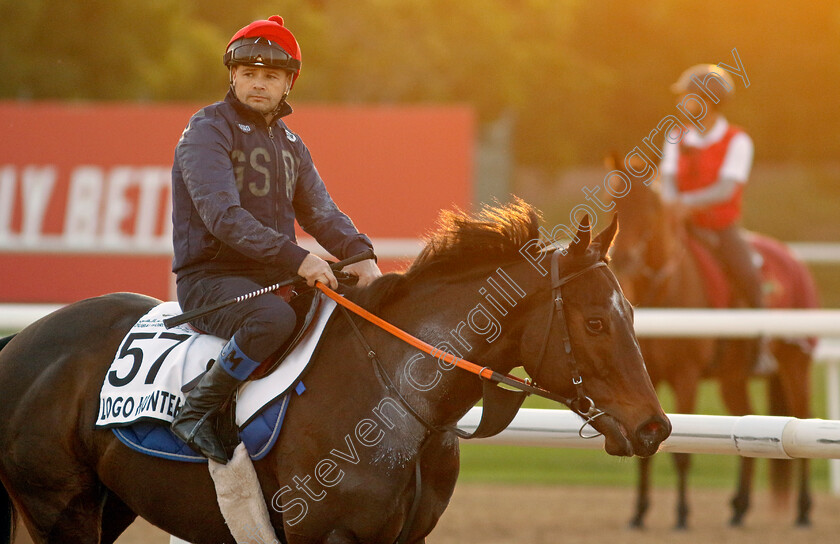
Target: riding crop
x=185, y=317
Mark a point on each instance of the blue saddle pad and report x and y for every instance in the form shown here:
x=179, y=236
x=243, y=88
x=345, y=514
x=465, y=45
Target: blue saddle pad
x=156, y=439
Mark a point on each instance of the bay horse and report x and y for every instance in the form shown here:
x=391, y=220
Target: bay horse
x=343, y=469
x=656, y=268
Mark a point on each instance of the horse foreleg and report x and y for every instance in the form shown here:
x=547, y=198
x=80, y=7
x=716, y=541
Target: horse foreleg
x=642, y=493
x=741, y=500
x=803, y=504
x=116, y=517
x=682, y=462
x=734, y=377
x=685, y=387
x=70, y=520
x=794, y=379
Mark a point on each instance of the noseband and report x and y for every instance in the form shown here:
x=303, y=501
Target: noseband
x=582, y=404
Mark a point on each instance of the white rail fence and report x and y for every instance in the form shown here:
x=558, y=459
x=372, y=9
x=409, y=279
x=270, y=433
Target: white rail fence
x=749, y=436
x=769, y=437
x=824, y=324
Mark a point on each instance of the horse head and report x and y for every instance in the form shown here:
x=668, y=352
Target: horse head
x=582, y=345
x=651, y=232
x=559, y=313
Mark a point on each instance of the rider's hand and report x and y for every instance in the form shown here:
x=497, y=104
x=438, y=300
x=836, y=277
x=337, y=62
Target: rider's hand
x=366, y=271
x=314, y=268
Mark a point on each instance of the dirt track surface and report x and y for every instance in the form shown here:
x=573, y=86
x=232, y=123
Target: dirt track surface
x=497, y=514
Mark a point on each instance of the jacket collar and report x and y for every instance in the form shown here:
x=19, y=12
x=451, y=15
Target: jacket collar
x=252, y=114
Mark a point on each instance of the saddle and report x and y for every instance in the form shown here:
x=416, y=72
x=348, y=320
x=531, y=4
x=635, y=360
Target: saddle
x=783, y=283
x=305, y=305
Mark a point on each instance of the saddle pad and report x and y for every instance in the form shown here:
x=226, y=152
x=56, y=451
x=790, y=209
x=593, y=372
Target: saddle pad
x=153, y=363
x=158, y=440
x=715, y=282
x=150, y=366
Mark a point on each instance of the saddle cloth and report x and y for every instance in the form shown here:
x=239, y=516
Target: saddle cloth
x=783, y=282
x=715, y=282
x=141, y=393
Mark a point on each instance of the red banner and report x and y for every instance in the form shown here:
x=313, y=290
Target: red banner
x=85, y=189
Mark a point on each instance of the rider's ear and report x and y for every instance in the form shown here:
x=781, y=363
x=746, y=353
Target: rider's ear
x=605, y=239
x=583, y=237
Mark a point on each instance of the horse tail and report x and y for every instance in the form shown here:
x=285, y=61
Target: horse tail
x=7, y=516
x=780, y=473
x=6, y=340
x=7, y=510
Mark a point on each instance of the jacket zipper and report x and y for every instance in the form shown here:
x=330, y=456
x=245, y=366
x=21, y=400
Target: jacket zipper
x=277, y=160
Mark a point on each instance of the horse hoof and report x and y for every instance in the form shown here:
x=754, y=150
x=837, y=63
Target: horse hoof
x=637, y=523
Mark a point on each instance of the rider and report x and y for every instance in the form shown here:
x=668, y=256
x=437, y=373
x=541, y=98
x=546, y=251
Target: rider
x=704, y=174
x=239, y=180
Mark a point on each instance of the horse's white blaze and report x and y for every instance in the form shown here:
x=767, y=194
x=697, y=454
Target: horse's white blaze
x=618, y=303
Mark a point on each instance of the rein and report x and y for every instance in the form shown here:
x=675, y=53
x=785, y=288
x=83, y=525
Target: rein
x=581, y=403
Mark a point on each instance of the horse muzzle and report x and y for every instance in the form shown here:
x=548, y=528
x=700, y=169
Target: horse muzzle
x=644, y=441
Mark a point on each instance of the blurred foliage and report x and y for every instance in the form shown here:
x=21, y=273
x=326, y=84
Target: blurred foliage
x=579, y=77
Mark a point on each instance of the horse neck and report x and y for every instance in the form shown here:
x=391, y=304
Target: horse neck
x=668, y=240
x=672, y=259
x=462, y=317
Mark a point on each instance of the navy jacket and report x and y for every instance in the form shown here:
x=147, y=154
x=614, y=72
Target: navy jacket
x=238, y=185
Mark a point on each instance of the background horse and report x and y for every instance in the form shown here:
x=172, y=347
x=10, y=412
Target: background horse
x=656, y=267
x=343, y=469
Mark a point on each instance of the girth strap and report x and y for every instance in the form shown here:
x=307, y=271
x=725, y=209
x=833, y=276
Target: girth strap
x=415, y=506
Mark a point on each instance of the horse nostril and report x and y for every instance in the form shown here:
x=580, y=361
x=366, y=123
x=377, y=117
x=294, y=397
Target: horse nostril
x=655, y=430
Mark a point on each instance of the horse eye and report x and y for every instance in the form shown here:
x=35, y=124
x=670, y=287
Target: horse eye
x=595, y=325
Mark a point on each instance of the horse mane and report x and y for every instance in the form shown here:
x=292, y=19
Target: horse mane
x=462, y=241
x=461, y=244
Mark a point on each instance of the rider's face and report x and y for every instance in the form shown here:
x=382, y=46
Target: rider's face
x=696, y=104
x=260, y=87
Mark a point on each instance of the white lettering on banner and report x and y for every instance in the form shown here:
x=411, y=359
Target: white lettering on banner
x=153, y=182
x=83, y=200
x=125, y=207
x=39, y=182
x=117, y=208
x=7, y=200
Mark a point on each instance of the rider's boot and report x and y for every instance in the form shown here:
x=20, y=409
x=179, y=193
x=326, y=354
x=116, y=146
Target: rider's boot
x=194, y=422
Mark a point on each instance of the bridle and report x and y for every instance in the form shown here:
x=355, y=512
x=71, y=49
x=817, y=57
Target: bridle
x=656, y=278
x=581, y=404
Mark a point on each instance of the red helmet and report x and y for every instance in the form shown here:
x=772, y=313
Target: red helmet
x=265, y=43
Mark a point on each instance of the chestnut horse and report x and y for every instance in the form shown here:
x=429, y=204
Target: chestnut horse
x=343, y=469
x=655, y=267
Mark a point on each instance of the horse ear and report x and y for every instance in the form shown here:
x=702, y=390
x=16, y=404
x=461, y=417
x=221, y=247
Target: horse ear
x=612, y=161
x=583, y=237
x=605, y=239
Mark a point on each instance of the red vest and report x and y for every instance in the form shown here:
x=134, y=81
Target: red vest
x=697, y=169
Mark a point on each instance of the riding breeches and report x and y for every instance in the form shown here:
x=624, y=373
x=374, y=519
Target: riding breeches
x=259, y=326
x=736, y=255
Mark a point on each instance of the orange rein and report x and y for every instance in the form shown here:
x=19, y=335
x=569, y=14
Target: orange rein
x=481, y=371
